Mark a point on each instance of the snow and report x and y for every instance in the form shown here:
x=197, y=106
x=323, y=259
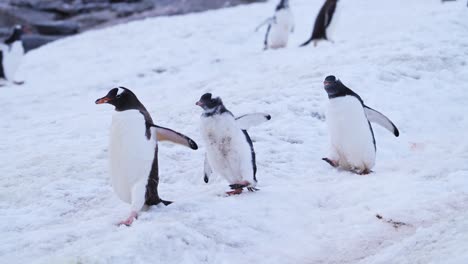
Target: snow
x=406, y=59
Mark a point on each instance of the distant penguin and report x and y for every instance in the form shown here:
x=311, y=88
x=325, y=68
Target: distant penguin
x=279, y=27
x=323, y=23
x=11, y=54
x=229, y=149
x=134, y=151
x=351, y=136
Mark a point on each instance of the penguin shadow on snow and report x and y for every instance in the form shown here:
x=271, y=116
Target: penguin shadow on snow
x=133, y=151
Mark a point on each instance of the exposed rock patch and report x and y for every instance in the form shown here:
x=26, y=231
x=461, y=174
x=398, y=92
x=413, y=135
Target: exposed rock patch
x=49, y=20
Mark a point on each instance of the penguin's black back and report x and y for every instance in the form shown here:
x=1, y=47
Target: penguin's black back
x=2, y=73
x=151, y=194
x=323, y=20
x=252, y=151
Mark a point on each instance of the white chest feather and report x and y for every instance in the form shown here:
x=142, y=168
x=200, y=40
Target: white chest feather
x=227, y=149
x=131, y=153
x=350, y=134
x=280, y=28
x=12, y=56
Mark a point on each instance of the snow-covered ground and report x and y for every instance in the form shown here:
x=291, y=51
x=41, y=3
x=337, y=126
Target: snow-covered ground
x=407, y=59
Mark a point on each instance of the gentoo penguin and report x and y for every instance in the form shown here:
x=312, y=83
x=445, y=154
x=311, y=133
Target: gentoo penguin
x=351, y=136
x=134, y=151
x=323, y=22
x=11, y=54
x=279, y=26
x=229, y=149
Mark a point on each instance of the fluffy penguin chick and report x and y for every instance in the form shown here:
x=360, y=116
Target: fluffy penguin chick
x=229, y=149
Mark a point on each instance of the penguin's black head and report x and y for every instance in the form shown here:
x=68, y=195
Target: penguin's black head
x=207, y=102
x=17, y=33
x=282, y=5
x=122, y=98
x=331, y=85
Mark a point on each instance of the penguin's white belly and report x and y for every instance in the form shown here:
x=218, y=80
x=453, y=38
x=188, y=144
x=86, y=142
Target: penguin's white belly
x=12, y=57
x=280, y=29
x=350, y=135
x=227, y=149
x=131, y=153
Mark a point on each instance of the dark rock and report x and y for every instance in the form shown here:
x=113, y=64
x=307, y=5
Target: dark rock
x=4, y=33
x=51, y=19
x=125, y=1
x=57, y=28
x=10, y=15
x=33, y=41
x=91, y=19
x=95, y=1
x=125, y=9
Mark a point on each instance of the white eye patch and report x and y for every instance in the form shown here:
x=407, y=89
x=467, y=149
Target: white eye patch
x=120, y=91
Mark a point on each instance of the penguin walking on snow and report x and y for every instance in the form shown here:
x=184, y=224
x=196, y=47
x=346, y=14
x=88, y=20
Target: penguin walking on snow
x=279, y=27
x=229, y=149
x=11, y=54
x=351, y=135
x=323, y=26
x=134, y=151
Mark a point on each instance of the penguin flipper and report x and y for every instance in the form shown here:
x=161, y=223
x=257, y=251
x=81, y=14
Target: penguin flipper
x=166, y=134
x=2, y=73
x=379, y=118
x=267, y=21
x=207, y=170
x=249, y=120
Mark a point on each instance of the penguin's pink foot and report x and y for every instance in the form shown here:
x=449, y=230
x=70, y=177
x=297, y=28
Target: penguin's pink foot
x=234, y=192
x=130, y=219
x=332, y=163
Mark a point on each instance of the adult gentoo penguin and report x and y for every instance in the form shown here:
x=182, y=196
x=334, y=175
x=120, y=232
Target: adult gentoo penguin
x=351, y=135
x=134, y=151
x=11, y=54
x=323, y=23
x=229, y=149
x=279, y=26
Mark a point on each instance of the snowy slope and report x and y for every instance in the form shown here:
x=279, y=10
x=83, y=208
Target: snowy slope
x=407, y=59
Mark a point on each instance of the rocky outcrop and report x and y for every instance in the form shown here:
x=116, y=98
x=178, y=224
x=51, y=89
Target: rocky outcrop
x=51, y=19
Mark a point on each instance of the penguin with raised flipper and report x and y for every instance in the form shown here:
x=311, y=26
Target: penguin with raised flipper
x=134, y=151
x=349, y=123
x=11, y=55
x=323, y=23
x=279, y=27
x=229, y=149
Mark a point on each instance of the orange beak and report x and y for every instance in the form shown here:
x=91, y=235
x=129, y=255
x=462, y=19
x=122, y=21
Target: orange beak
x=102, y=100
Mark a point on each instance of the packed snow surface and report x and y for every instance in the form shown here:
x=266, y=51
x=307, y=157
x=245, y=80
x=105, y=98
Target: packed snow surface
x=407, y=59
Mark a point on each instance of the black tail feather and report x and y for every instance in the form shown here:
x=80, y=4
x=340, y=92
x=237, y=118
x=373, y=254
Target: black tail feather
x=306, y=43
x=166, y=203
